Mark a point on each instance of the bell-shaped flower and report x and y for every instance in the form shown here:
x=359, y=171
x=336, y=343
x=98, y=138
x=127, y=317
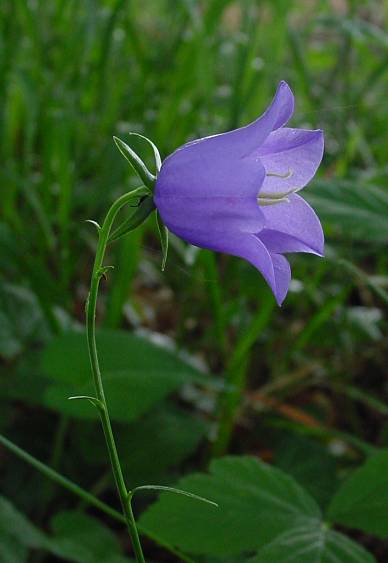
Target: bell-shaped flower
x=237, y=192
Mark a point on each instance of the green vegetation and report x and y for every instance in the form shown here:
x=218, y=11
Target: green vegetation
x=211, y=386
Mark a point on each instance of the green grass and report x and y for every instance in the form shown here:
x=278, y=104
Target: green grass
x=75, y=73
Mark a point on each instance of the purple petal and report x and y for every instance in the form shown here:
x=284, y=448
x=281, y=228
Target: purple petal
x=281, y=108
x=243, y=141
x=202, y=173
x=274, y=267
x=292, y=227
x=295, y=151
x=210, y=222
x=247, y=139
x=282, y=273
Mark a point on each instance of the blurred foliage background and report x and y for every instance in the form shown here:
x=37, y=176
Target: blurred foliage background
x=199, y=360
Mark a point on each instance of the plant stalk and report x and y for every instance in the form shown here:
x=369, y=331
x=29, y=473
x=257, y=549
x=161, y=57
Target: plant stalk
x=97, y=273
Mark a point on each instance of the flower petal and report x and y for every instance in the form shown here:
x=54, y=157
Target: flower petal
x=210, y=222
x=282, y=273
x=247, y=139
x=274, y=267
x=292, y=227
x=281, y=108
x=243, y=141
x=203, y=173
x=294, y=151
x=250, y=248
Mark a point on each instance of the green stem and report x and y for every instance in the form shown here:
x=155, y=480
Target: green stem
x=60, y=479
x=98, y=272
x=88, y=498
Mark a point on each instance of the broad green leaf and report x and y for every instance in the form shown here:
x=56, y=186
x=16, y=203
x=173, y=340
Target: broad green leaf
x=21, y=319
x=66, y=358
x=129, y=394
x=11, y=550
x=257, y=503
x=304, y=459
x=14, y=524
x=26, y=383
x=137, y=374
x=314, y=543
x=356, y=211
x=81, y=538
x=362, y=501
x=178, y=433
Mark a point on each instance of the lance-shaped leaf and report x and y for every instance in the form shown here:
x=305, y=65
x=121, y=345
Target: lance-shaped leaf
x=142, y=211
x=165, y=489
x=93, y=400
x=136, y=162
x=158, y=160
x=163, y=234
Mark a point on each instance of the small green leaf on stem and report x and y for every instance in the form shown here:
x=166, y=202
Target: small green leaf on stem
x=158, y=160
x=136, y=162
x=104, y=270
x=163, y=234
x=98, y=227
x=143, y=210
x=170, y=490
x=95, y=402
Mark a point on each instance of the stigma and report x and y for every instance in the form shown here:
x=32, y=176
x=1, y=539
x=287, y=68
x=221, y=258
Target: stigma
x=271, y=198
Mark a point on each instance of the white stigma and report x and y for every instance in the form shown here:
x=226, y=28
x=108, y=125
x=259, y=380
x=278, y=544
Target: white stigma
x=285, y=176
x=271, y=198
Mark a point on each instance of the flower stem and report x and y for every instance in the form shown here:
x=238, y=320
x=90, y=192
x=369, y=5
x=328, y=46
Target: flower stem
x=78, y=491
x=56, y=477
x=97, y=273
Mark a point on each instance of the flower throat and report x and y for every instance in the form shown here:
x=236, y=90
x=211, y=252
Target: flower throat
x=270, y=198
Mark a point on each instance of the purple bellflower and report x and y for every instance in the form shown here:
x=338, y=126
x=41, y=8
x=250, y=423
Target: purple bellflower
x=237, y=192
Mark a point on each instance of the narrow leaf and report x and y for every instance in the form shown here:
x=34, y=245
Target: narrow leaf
x=158, y=160
x=144, y=209
x=136, y=162
x=163, y=234
x=98, y=227
x=95, y=402
x=171, y=490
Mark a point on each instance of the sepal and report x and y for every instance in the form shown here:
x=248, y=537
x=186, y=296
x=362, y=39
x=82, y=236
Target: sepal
x=158, y=160
x=136, y=162
x=163, y=234
x=143, y=210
